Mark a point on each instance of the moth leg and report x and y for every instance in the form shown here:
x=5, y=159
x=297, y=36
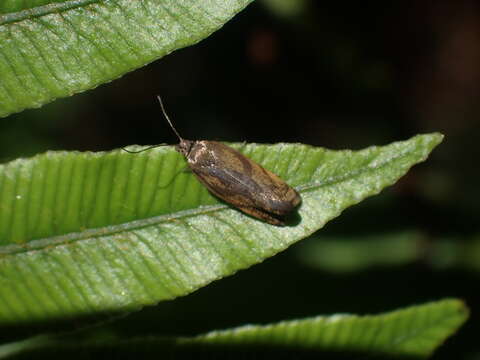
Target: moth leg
x=170, y=181
x=259, y=214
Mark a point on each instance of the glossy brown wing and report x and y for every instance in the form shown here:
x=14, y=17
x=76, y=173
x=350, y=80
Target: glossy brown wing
x=240, y=181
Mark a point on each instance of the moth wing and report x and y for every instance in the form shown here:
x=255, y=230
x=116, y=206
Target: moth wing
x=242, y=201
x=244, y=191
x=258, y=213
x=277, y=195
x=226, y=187
x=240, y=181
x=269, y=191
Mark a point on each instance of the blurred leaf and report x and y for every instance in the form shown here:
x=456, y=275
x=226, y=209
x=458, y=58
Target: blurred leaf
x=286, y=8
x=52, y=49
x=84, y=233
x=339, y=254
x=348, y=254
x=455, y=252
x=414, y=331
x=471, y=254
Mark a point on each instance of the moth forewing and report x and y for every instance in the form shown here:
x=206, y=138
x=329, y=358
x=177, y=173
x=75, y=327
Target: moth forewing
x=241, y=182
x=275, y=195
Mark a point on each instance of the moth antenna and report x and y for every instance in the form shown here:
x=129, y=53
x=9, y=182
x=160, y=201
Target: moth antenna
x=169, y=122
x=139, y=151
x=168, y=119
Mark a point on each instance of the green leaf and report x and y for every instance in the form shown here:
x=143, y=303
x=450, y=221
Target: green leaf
x=342, y=254
x=84, y=233
x=52, y=49
x=286, y=8
x=417, y=330
x=414, y=332
x=8, y=6
x=458, y=252
x=354, y=253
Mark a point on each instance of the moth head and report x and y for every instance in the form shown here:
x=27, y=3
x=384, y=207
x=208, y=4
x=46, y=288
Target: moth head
x=184, y=147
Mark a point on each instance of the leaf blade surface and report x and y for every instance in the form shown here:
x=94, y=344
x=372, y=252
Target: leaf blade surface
x=52, y=49
x=97, y=235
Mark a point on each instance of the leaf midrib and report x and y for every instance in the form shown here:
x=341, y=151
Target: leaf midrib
x=38, y=244
x=43, y=10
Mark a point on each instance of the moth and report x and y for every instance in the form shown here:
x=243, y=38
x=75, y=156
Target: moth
x=236, y=179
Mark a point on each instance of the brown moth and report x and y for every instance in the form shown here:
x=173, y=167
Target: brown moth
x=238, y=180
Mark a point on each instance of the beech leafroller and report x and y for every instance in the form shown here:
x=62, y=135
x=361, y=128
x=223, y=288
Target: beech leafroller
x=236, y=179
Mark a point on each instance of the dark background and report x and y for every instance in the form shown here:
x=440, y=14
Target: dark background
x=332, y=74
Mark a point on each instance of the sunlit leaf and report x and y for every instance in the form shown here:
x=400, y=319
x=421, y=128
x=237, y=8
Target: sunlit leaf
x=52, y=49
x=83, y=233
